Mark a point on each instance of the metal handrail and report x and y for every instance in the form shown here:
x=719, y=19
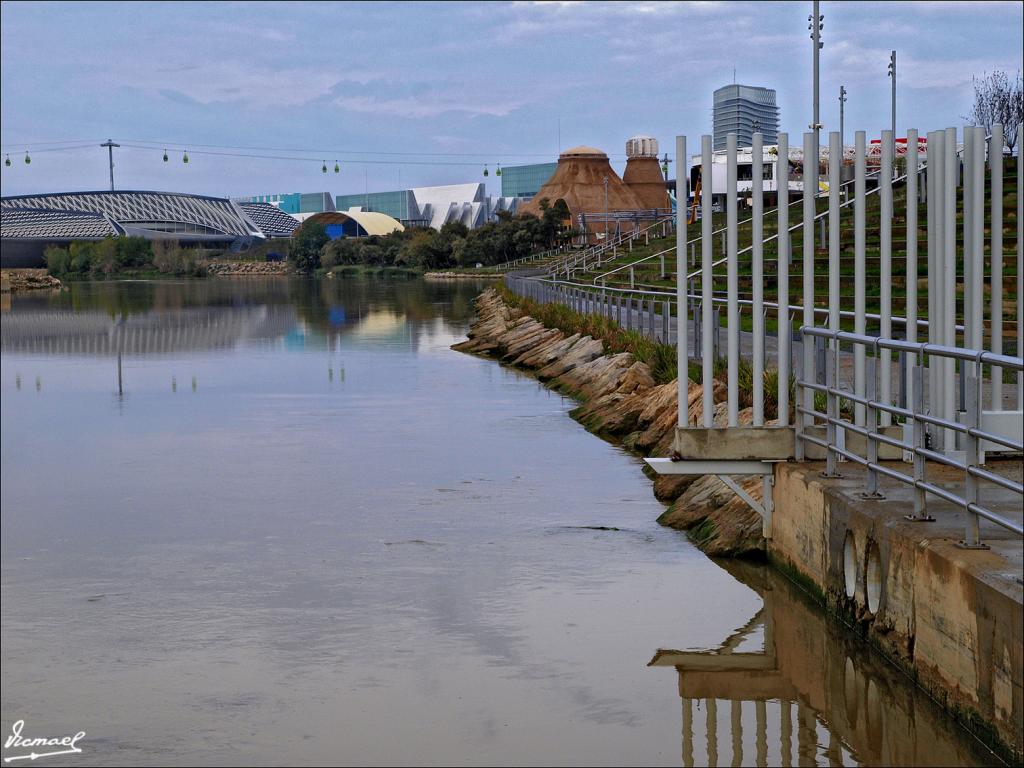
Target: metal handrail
x=969, y=429
x=799, y=224
x=597, y=249
x=844, y=314
x=632, y=264
x=769, y=239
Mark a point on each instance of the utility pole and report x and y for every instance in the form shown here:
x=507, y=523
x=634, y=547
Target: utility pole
x=110, y=153
x=892, y=74
x=842, y=102
x=815, y=25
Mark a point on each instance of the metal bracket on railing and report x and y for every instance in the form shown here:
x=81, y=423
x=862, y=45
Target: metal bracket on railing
x=725, y=469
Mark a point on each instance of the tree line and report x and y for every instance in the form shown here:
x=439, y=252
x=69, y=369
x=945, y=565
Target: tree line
x=119, y=255
x=455, y=245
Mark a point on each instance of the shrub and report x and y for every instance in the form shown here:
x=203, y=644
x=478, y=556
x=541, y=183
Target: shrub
x=170, y=258
x=306, y=249
x=57, y=259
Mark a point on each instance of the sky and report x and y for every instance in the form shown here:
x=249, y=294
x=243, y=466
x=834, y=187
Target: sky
x=430, y=92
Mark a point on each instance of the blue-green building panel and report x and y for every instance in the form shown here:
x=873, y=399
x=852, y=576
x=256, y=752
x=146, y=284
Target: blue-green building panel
x=395, y=204
x=525, y=180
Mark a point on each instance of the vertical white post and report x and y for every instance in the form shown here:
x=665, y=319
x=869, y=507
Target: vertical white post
x=732, y=285
x=995, y=158
x=810, y=186
x=757, y=236
x=932, y=174
x=885, y=277
x=911, y=252
x=978, y=243
x=951, y=170
x=707, y=344
x=968, y=234
x=1020, y=264
x=835, y=164
x=782, y=266
x=682, y=303
x=859, y=271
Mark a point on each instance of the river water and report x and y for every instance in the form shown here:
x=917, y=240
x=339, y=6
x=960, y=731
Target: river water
x=281, y=522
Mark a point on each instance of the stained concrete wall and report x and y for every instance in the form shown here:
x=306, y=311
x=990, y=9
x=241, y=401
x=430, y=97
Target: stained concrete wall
x=951, y=617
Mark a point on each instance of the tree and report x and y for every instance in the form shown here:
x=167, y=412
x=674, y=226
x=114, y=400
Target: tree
x=308, y=242
x=57, y=259
x=998, y=99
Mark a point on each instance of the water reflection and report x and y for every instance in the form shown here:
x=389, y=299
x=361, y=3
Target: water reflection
x=166, y=318
x=355, y=545
x=794, y=679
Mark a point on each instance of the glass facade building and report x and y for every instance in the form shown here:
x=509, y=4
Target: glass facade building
x=743, y=110
x=294, y=202
x=396, y=204
x=525, y=180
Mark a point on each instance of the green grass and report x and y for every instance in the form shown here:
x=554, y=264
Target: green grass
x=662, y=359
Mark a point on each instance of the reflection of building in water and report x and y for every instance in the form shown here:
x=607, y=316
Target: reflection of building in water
x=152, y=333
x=811, y=687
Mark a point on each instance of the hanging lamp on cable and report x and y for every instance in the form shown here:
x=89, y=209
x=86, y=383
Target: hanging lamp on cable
x=165, y=155
x=28, y=160
x=324, y=169
x=337, y=168
x=498, y=172
x=7, y=162
x=184, y=158
x=485, y=169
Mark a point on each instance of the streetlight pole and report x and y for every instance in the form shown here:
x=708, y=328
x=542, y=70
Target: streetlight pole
x=842, y=102
x=110, y=154
x=815, y=26
x=606, y=210
x=892, y=74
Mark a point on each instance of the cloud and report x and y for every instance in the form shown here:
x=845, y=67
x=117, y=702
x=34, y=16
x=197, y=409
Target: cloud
x=225, y=82
x=429, y=106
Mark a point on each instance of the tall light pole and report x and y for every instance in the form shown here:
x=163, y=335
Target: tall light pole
x=892, y=74
x=842, y=102
x=606, y=209
x=815, y=25
x=110, y=154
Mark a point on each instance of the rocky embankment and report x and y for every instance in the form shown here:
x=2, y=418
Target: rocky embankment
x=621, y=402
x=247, y=268
x=461, y=276
x=16, y=280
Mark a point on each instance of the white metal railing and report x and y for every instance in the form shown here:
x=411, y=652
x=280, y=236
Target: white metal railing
x=595, y=252
x=632, y=265
x=946, y=270
x=924, y=424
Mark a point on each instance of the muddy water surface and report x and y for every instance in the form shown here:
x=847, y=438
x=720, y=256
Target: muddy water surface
x=280, y=522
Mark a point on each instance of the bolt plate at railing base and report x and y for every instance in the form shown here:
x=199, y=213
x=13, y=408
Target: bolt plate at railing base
x=919, y=518
x=833, y=476
x=964, y=545
x=872, y=496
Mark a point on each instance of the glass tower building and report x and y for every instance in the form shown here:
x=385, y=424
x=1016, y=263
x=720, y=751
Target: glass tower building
x=525, y=180
x=744, y=110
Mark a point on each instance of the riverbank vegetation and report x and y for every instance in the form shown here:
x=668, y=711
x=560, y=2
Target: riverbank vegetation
x=661, y=358
x=121, y=257
x=454, y=246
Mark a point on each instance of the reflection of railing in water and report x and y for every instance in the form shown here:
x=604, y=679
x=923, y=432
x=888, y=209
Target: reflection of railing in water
x=850, y=707
x=154, y=333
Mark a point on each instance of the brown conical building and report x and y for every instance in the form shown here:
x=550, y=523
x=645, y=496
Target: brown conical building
x=643, y=173
x=579, y=180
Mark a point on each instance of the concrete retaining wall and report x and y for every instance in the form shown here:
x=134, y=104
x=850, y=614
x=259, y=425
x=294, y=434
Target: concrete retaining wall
x=952, y=618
